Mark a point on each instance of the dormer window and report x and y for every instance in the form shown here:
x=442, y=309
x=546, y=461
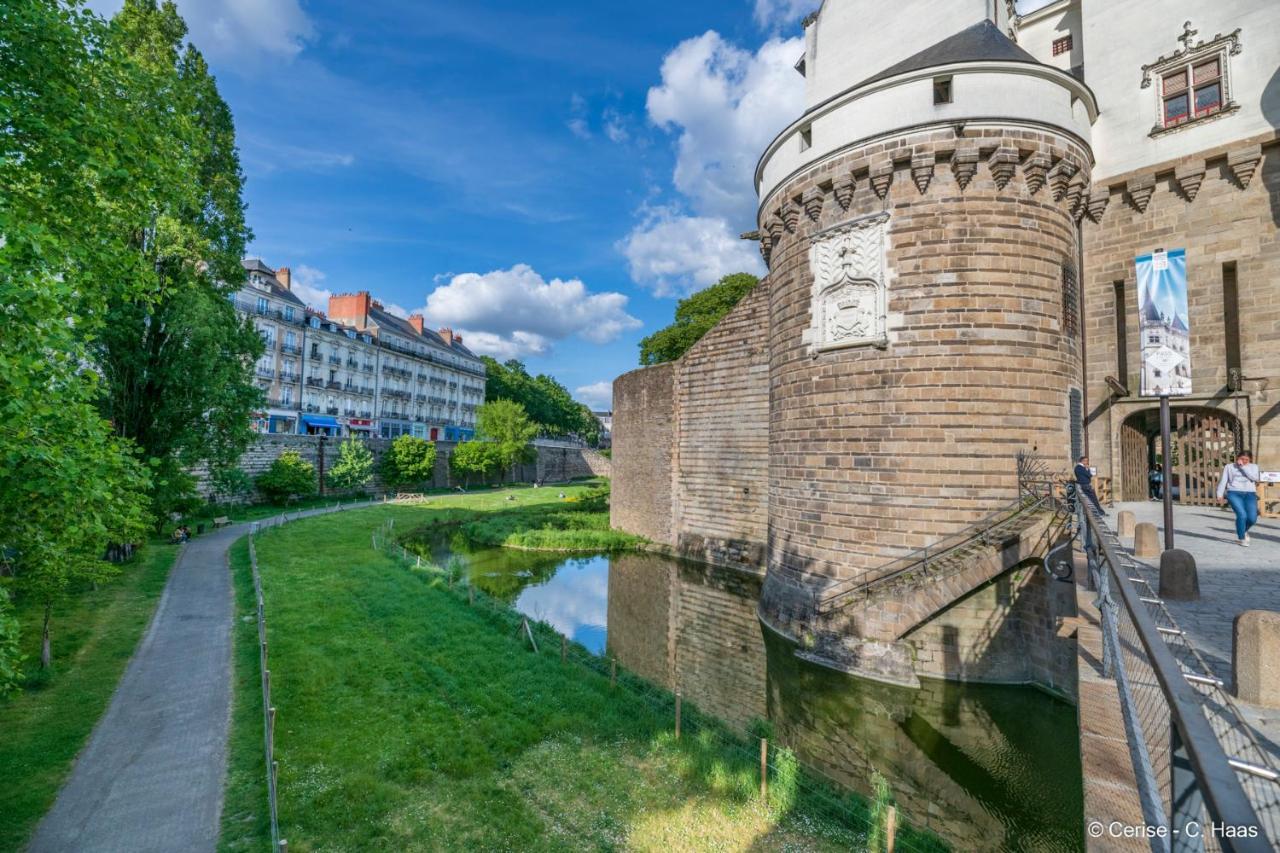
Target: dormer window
x=1193, y=82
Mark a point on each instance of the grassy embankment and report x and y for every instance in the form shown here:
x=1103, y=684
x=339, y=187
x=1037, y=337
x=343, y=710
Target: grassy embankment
x=44, y=725
x=411, y=720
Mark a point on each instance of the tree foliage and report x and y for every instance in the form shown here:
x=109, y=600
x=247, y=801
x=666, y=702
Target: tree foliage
x=288, y=477
x=173, y=353
x=507, y=425
x=474, y=460
x=10, y=656
x=409, y=461
x=81, y=162
x=231, y=483
x=695, y=315
x=548, y=403
x=354, y=468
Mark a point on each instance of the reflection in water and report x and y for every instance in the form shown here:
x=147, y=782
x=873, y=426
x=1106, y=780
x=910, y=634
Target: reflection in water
x=985, y=767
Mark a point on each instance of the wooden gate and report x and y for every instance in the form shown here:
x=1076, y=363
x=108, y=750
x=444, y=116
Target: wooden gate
x=1203, y=442
x=1135, y=459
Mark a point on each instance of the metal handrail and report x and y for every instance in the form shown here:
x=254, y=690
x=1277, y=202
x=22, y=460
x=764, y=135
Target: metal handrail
x=1026, y=504
x=1201, y=771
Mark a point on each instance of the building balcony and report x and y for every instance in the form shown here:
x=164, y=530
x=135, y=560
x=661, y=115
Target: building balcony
x=293, y=349
x=315, y=382
x=288, y=377
x=333, y=385
x=335, y=360
x=316, y=356
x=267, y=372
x=311, y=408
x=331, y=410
x=368, y=366
x=353, y=364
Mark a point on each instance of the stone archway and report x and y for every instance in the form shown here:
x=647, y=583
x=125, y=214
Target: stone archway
x=1203, y=440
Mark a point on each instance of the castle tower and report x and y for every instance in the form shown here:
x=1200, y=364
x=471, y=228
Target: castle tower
x=919, y=221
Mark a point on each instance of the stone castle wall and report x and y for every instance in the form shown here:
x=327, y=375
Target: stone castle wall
x=643, y=450
x=1223, y=206
x=877, y=450
x=554, y=463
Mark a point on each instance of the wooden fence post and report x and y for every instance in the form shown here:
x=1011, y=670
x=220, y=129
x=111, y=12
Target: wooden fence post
x=677, y=715
x=764, y=768
x=890, y=828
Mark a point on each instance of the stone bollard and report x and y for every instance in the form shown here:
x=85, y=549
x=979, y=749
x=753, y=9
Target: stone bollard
x=1178, y=578
x=1255, y=657
x=1146, y=540
x=1125, y=522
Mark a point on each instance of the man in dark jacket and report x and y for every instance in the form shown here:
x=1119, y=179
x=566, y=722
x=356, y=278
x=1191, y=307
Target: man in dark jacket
x=1084, y=482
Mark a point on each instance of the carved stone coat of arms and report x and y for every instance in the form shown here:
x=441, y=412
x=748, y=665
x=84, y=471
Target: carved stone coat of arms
x=848, y=295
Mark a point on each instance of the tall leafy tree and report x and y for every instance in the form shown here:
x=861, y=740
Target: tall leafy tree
x=474, y=460
x=695, y=315
x=80, y=162
x=409, y=461
x=548, y=404
x=354, y=468
x=174, y=355
x=505, y=423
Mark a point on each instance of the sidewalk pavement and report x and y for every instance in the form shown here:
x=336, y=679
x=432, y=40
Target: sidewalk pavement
x=1232, y=579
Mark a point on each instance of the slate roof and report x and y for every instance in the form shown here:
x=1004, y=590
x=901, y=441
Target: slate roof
x=386, y=320
x=278, y=290
x=982, y=42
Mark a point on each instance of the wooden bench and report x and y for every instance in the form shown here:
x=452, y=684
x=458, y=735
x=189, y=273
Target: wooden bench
x=221, y=521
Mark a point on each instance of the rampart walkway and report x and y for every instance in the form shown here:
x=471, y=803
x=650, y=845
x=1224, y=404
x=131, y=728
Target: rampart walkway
x=151, y=776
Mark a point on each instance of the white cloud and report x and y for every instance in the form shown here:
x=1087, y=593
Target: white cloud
x=615, y=126
x=727, y=104
x=514, y=312
x=674, y=254
x=242, y=29
x=776, y=13
x=597, y=395
x=578, y=127
x=306, y=286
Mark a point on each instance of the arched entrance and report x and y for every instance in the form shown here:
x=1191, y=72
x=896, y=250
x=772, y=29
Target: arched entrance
x=1202, y=441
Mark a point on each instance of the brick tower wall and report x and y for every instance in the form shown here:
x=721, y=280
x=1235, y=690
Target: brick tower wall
x=876, y=451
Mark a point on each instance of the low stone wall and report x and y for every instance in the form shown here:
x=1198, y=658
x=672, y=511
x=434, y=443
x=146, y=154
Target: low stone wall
x=555, y=463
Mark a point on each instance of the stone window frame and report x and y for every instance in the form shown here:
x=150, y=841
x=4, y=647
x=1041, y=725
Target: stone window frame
x=1221, y=48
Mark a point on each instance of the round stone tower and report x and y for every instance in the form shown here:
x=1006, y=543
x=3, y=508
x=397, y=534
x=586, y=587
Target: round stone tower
x=919, y=221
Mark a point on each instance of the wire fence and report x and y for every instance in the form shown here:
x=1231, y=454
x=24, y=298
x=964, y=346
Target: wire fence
x=1185, y=771
x=772, y=770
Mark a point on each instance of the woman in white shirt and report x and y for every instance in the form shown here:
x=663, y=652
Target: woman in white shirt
x=1239, y=487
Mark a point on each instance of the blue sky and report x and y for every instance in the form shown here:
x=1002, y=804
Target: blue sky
x=547, y=177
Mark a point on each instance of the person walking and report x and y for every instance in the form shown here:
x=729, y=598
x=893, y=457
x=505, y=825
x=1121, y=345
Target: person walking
x=1239, y=488
x=1084, y=482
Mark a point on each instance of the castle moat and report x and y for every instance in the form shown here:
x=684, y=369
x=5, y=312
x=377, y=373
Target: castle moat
x=986, y=767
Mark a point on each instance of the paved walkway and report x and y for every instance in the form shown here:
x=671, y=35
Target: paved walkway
x=151, y=776
x=1232, y=579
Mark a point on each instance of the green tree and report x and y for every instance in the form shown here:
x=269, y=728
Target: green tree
x=288, y=477
x=174, y=355
x=231, y=482
x=354, y=468
x=548, y=403
x=505, y=423
x=80, y=163
x=409, y=461
x=695, y=315
x=474, y=459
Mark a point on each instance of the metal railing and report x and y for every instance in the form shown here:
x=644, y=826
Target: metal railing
x=1195, y=760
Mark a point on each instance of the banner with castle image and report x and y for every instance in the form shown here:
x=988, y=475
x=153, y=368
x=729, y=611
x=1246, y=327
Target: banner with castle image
x=1163, y=323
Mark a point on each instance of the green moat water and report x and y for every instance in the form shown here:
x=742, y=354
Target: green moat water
x=985, y=767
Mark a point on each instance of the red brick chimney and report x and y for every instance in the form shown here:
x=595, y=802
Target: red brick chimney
x=285, y=277
x=415, y=320
x=447, y=334
x=352, y=308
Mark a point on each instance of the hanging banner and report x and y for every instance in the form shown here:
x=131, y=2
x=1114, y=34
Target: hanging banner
x=1163, y=324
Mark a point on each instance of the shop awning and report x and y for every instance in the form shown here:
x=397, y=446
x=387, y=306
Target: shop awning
x=319, y=421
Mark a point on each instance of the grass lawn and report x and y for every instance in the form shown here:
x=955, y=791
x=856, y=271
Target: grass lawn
x=409, y=720
x=44, y=726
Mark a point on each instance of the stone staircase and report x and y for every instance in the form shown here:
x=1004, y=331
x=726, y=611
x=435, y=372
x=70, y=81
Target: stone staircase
x=858, y=626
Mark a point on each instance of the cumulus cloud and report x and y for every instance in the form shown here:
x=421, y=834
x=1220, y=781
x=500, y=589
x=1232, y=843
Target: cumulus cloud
x=776, y=13
x=242, y=29
x=673, y=254
x=597, y=395
x=306, y=286
x=724, y=104
x=515, y=312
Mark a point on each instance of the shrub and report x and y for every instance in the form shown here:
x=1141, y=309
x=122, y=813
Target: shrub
x=409, y=461
x=474, y=460
x=289, y=476
x=354, y=468
x=10, y=658
x=595, y=499
x=231, y=483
